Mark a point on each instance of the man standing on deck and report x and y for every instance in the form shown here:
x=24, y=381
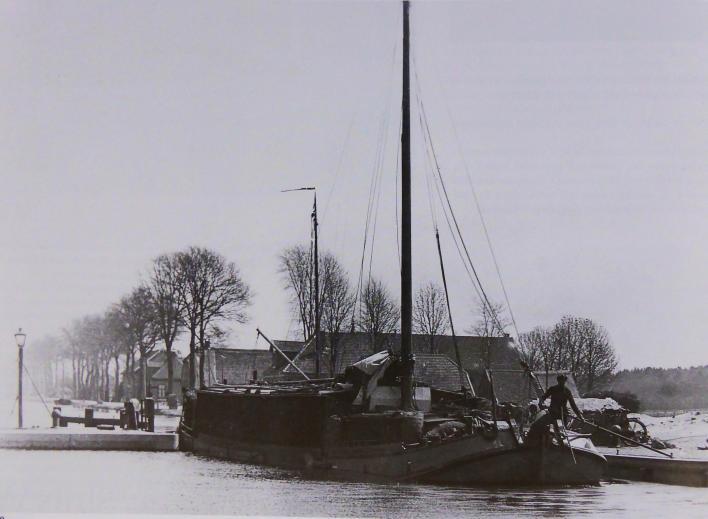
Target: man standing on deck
x=560, y=398
x=558, y=410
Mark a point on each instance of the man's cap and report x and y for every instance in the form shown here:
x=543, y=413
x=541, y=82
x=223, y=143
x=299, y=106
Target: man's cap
x=561, y=378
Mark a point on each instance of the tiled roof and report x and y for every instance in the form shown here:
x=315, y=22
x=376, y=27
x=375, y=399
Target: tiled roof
x=157, y=359
x=474, y=351
x=161, y=373
x=437, y=370
x=516, y=386
x=237, y=366
x=350, y=348
x=286, y=346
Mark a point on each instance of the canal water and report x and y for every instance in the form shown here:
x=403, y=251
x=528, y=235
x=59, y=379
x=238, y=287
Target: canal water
x=175, y=482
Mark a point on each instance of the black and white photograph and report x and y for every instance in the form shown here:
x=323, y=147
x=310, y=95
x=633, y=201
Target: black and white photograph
x=353, y=259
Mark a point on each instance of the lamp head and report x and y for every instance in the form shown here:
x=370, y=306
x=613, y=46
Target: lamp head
x=20, y=338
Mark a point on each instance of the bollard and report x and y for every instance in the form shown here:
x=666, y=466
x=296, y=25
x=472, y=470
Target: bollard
x=149, y=414
x=131, y=415
x=88, y=417
x=56, y=417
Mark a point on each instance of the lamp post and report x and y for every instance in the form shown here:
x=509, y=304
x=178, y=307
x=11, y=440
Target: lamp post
x=20, y=339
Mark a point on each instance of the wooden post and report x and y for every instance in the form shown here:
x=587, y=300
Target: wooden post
x=149, y=413
x=88, y=417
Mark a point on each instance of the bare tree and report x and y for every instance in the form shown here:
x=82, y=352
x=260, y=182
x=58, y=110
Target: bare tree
x=575, y=344
x=585, y=350
x=218, y=336
x=337, y=302
x=210, y=288
x=120, y=342
x=86, y=341
x=533, y=346
x=168, y=306
x=43, y=361
x=137, y=312
x=491, y=322
x=379, y=312
x=296, y=266
x=430, y=315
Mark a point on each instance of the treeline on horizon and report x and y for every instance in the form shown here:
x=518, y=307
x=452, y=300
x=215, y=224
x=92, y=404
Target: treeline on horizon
x=664, y=388
x=97, y=356
x=198, y=293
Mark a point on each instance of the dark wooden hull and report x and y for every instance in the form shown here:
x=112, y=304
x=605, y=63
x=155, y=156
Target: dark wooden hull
x=552, y=466
x=470, y=460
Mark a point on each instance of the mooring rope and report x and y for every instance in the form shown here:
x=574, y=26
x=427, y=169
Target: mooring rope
x=37, y=390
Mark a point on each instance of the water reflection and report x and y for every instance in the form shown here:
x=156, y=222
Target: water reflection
x=131, y=482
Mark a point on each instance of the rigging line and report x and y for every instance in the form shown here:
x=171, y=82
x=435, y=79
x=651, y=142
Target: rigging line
x=460, y=371
x=431, y=176
x=454, y=219
x=378, y=187
x=36, y=390
x=377, y=190
x=447, y=219
x=428, y=147
x=372, y=203
x=339, y=165
x=455, y=239
x=380, y=165
x=478, y=206
x=373, y=232
x=372, y=192
x=346, y=141
x=428, y=174
x=372, y=183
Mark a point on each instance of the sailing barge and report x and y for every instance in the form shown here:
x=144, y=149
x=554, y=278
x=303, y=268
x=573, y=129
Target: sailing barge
x=371, y=423
x=347, y=428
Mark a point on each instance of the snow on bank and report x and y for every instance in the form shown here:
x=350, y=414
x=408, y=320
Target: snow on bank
x=687, y=431
x=597, y=404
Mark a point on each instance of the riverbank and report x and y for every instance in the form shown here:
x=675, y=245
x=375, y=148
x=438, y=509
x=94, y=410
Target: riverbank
x=36, y=415
x=687, y=431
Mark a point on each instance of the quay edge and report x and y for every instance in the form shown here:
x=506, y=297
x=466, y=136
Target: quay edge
x=58, y=439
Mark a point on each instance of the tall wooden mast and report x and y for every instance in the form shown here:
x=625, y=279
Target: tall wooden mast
x=406, y=274
x=318, y=353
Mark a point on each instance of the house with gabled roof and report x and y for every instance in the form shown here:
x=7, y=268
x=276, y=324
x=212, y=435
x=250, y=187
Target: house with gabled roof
x=345, y=349
x=156, y=369
x=229, y=366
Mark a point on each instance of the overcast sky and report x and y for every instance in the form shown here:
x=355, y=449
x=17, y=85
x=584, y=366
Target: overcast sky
x=128, y=129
